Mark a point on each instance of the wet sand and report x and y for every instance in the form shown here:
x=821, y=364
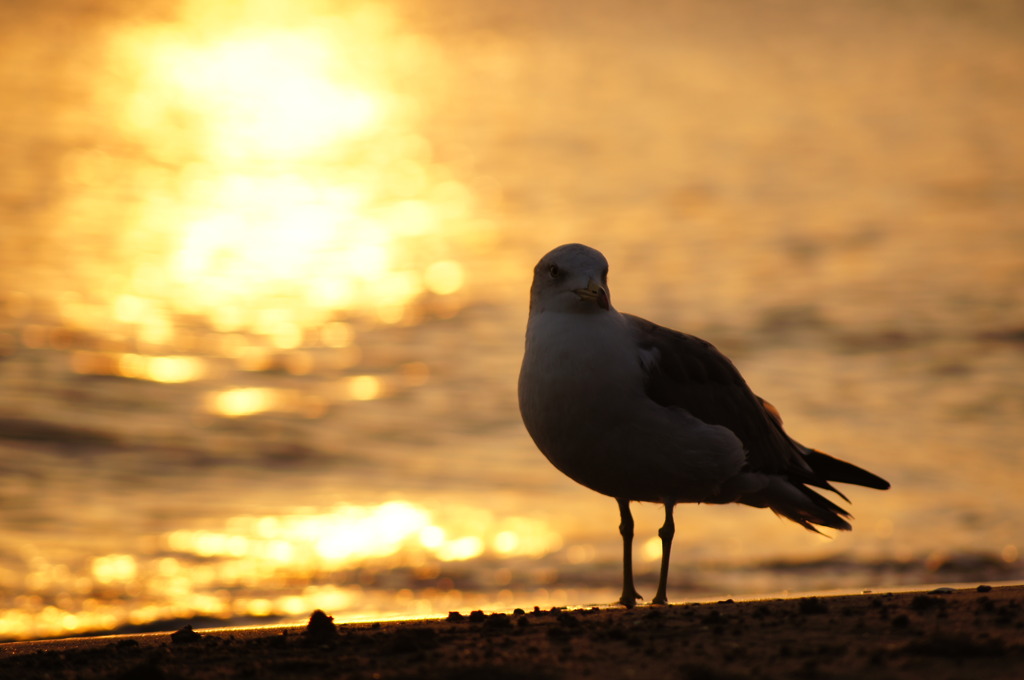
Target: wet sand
x=938, y=634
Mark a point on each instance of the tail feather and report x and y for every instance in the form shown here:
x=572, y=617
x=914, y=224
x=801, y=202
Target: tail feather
x=834, y=470
x=826, y=469
x=789, y=495
x=796, y=502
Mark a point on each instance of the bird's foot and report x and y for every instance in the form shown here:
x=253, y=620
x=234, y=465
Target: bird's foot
x=660, y=599
x=629, y=598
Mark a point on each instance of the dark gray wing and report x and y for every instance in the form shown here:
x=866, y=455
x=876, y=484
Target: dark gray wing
x=689, y=373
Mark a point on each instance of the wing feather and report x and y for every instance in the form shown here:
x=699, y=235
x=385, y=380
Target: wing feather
x=684, y=371
x=689, y=373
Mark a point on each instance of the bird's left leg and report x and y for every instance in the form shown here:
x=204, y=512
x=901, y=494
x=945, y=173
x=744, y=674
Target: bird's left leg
x=666, y=532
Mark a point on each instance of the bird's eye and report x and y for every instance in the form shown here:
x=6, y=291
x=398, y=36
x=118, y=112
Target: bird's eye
x=554, y=272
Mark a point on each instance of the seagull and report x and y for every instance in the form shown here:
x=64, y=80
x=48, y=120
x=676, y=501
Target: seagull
x=640, y=412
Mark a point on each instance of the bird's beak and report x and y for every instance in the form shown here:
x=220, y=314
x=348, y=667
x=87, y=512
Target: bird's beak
x=595, y=292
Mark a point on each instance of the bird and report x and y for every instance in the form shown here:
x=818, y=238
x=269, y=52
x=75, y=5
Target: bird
x=640, y=412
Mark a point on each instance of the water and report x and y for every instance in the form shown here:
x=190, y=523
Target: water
x=263, y=280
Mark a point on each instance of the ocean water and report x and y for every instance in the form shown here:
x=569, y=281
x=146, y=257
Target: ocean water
x=264, y=273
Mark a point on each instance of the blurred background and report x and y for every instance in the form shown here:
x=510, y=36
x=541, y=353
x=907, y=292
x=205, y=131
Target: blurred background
x=264, y=270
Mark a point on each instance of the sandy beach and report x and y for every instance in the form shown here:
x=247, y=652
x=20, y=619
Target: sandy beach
x=942, y=633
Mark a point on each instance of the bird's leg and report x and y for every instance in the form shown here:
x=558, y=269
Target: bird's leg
x=666, y=532
x=629, y=594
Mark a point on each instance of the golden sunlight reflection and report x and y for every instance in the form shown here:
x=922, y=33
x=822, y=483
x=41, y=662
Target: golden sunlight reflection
x=279, y=182
x=114, y=569
x=350, y=534
x=237, y=402
x=163, y=369
x=223, y=571
x=444, y=277
x=363, y=387
x=272, y=89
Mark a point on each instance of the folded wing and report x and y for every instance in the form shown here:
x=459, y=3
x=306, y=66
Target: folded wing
x=683, y=371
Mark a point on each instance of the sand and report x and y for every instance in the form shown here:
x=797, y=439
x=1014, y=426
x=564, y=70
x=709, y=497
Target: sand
x=938, y=634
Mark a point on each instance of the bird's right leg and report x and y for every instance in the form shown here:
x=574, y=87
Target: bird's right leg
x=666, y=533
x=629, y=594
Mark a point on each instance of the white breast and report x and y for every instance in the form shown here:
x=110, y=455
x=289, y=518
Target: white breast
x=573, y=362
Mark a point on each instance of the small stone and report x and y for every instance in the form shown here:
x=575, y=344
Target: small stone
x=321, y=627
x=185, y=635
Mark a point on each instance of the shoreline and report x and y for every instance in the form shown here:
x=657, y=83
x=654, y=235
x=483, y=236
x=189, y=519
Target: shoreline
x=938, y=632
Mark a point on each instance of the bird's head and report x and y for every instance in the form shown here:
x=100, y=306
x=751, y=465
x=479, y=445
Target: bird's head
x=571, y=278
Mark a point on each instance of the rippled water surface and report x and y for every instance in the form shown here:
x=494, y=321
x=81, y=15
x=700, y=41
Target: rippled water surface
x=264, y=269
